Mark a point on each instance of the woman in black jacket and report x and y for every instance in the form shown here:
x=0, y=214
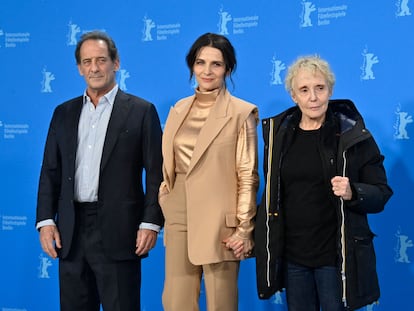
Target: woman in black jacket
x=324, y=173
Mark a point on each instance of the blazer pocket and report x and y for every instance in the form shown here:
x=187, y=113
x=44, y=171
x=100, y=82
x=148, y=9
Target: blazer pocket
x=224, y=140
x=231, y=220
x=162, y=193
x=124, y=134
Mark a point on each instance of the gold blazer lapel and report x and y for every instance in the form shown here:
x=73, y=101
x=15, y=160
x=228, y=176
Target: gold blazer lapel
x=175, y=118
x=215, y=122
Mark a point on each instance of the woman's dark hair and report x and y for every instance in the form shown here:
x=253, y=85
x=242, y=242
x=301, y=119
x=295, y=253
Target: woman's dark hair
x=97, y=35
x=216, y=41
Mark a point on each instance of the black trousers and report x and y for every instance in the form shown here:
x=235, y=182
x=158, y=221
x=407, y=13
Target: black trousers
x=88, y=278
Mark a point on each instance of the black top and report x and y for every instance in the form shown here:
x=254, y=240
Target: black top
x=310, y=217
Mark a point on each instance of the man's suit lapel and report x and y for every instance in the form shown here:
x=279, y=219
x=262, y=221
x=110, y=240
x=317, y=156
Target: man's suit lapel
x=116, y=122
x=71, y=129
x=216, y=120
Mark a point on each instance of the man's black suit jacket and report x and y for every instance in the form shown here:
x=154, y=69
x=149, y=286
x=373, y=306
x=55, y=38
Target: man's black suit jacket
x=132, y=145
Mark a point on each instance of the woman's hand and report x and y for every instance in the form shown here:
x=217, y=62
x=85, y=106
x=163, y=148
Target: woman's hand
x=163, y=191
x=241, y=247
x=341, y=187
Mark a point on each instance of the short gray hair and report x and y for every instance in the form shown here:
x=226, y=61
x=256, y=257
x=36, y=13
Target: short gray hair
x=312, y=63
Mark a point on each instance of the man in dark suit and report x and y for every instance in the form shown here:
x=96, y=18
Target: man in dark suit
x=92, y=211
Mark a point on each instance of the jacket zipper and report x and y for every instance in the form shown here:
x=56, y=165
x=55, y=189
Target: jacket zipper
x=268, y=214
x=343, y=245
x=342, y=208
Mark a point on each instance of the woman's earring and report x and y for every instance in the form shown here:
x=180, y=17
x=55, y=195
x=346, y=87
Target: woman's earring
x=193, y=83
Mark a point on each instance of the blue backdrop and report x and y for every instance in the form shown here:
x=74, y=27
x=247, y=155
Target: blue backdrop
x=367, y=43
